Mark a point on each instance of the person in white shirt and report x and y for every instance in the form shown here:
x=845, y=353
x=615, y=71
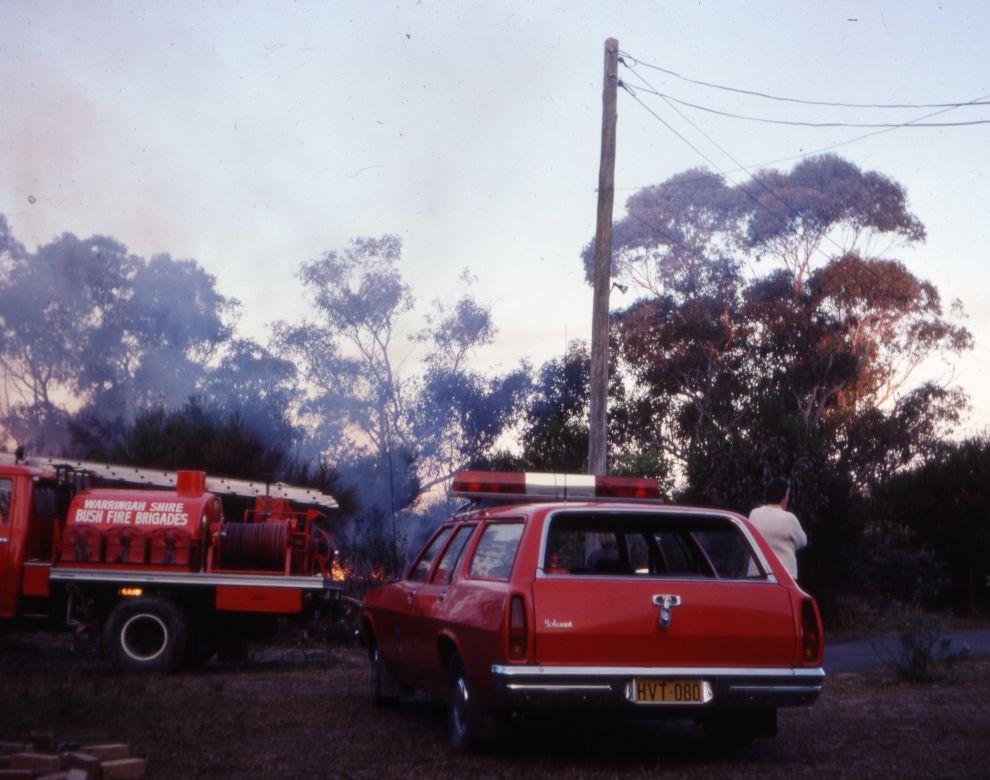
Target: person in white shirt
x=779, y=527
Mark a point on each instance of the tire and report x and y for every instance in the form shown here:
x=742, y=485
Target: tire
x=380, y=675
x=147, y=634
x=465, y=718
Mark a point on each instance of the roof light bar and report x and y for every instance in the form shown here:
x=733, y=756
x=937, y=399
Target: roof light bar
x=547, y=486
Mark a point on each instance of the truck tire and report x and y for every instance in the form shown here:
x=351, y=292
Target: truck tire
x=465, y=718
x=148, y=634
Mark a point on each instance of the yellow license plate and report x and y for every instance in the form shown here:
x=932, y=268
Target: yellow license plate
x=651, y=690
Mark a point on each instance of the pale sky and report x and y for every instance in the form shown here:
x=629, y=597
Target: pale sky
x=253, y=136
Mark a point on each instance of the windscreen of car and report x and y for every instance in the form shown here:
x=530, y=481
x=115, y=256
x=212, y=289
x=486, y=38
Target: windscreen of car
x=496, y=551
x=647, y=544
x=425, y=561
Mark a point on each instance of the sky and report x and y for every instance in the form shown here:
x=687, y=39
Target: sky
x=254, y=136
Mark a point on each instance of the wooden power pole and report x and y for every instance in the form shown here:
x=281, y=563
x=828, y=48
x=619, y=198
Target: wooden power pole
x=597, y=426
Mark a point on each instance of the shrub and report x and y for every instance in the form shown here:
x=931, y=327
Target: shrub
x=921, y=647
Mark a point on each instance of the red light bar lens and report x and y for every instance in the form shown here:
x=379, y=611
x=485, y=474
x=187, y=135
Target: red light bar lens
x=626, y=487
x=489, y=482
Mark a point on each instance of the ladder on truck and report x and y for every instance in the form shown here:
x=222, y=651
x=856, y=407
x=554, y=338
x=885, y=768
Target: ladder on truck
x=133, y=475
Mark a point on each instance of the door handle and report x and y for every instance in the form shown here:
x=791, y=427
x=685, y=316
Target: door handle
x=665, y=601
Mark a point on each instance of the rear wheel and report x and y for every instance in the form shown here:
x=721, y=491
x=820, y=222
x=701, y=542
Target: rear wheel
x=465, y=717
x=147, y=634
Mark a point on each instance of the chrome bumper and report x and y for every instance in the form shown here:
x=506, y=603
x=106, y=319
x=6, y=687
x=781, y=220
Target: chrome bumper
x=609, y=686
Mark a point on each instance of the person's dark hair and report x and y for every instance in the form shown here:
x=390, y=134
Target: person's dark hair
x=776, y=489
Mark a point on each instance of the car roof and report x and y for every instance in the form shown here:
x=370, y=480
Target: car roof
x=500, y=510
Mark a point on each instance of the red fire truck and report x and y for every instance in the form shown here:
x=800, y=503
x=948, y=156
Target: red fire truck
x=148, y=560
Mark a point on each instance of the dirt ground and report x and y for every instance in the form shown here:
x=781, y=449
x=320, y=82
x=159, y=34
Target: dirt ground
x=302, y=711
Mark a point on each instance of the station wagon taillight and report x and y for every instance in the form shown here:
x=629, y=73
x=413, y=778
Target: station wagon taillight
x=811, y=632
x=517, y=629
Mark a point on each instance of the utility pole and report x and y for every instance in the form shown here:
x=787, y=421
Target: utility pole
x=597, y=424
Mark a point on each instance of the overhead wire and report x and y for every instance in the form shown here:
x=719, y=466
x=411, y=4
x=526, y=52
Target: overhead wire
x=837, y=144
x=650, y=88
x=862, y=264
x=801, y=123
x=829, y=103
x=707, y=159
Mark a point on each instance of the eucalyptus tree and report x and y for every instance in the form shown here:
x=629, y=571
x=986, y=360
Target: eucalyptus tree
x=92, y=334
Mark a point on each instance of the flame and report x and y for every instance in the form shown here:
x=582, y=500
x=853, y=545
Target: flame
x=340, y=571
x=355, y=574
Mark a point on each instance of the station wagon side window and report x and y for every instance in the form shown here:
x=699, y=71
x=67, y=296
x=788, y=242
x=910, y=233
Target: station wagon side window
x=6, y=489
x=496, y=551
x=425, y=561
x=451, y=559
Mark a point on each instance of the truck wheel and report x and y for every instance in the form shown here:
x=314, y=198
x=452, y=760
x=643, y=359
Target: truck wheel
x=146, y=635
x=380, y=679
x=465, y=718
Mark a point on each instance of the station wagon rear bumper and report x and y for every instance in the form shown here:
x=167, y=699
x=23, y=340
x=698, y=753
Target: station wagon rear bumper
x=519, y=686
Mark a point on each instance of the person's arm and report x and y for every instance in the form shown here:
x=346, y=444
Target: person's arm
x=799, y=537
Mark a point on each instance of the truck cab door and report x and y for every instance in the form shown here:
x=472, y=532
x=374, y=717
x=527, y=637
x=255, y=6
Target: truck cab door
x=10, y=545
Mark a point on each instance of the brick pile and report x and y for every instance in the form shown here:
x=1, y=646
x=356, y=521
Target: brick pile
x=39, y=759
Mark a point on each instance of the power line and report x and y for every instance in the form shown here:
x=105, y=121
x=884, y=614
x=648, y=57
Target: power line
x=707, y=159
x=760, y=182
x=830, y=147
x=799, y=123
x=761, y=204
x=625, y=57
x=763, y=184
x=864, y=266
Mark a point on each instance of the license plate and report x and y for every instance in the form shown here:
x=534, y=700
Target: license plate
x=652, y=690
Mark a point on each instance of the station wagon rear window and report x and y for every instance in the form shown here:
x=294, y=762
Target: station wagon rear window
x=496, y=551
x=649, y=545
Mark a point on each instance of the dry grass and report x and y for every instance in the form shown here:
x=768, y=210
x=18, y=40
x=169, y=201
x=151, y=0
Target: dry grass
x=296, y=712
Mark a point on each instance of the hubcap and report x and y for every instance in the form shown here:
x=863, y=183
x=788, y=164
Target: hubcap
x=144, y=637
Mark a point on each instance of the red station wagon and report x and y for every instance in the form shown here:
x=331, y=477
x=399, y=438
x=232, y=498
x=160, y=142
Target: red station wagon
x=553, y=590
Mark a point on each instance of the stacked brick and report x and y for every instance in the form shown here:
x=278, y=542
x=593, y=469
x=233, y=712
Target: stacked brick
x=39, y=759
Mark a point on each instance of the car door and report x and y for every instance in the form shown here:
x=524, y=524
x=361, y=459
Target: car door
x=10, y=574
x=427, y=614
x=395, y=604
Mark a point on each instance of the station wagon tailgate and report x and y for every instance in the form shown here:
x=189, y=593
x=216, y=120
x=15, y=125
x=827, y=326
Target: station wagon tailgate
x=625, y=588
